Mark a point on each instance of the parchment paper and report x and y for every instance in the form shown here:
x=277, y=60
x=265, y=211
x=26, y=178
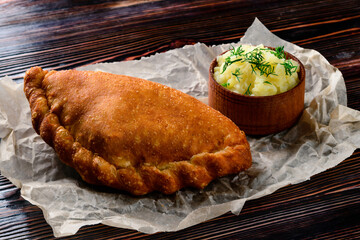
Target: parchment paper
x=327, y=133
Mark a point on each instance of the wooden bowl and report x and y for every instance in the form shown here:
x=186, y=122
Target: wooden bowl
x=259, y=115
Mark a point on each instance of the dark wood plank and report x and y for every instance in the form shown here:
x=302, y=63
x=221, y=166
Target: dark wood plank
x=120, y=35
x=68, y=34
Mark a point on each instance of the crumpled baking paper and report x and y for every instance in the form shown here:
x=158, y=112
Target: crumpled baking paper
x=327, y=133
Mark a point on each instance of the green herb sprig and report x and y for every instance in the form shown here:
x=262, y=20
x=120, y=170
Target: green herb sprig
x=289, y=67
x=228, y=62
x=257, y=62
x=237, y=74
x=279, y=52
x=256, y=59
x=248, y=91
x=237, y=51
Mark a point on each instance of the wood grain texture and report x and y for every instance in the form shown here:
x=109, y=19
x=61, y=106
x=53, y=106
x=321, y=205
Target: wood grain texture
x=67, y=34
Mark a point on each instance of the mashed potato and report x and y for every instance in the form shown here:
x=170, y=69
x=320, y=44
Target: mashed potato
x=256, y=71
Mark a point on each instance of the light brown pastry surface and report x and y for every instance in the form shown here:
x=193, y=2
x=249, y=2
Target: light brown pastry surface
x=132, y=134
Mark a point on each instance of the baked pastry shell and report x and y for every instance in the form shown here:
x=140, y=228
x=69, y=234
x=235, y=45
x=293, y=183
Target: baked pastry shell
x=228, y=153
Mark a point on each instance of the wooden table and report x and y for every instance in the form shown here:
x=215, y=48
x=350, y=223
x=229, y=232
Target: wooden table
x=69, y=34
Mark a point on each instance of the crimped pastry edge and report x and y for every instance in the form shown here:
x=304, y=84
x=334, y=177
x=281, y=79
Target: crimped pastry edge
x=196, y=172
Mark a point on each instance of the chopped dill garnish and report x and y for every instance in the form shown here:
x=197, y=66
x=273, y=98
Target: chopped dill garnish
x=289, y=67
x=256, y=59
x=279, y=52
x=237, y=51
x=248, y=91
x=228, y=62
x=254, y=56
x=237, y=73
x=252, y=69
x=265, y=68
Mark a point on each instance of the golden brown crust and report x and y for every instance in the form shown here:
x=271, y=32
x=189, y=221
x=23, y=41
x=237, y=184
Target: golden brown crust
x=132, y=134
